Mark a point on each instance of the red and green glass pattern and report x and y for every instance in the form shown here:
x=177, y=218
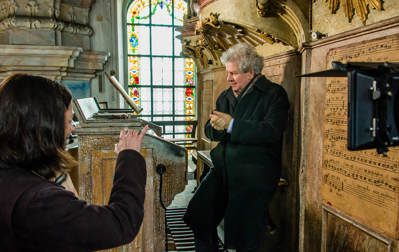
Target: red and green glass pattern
x=134, y=80
x=139, y=10
x=189, y=92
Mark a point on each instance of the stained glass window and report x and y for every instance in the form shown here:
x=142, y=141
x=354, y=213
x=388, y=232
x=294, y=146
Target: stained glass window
x=161, y=80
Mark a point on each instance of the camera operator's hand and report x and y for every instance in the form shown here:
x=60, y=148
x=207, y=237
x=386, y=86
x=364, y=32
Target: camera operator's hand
x=130, y=140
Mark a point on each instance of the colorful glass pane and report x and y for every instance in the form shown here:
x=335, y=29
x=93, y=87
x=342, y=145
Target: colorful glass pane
x=139, y=70
x=139, y=12
x=138, y=39
x=134, y=91
x=189, y=71
x=189, y=93
x=134, y=79
x=180, y=12
x=161, y=11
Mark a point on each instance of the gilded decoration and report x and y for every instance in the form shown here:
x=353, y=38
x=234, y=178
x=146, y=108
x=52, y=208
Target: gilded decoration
x=270, y=8
x=361, y=7
x=214, y=36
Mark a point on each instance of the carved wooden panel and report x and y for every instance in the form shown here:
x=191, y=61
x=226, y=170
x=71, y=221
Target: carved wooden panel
x=205, y=106
x=362, y=184
x=343, y=234
x=103, y=164
x=103, y=168
x=95, y=177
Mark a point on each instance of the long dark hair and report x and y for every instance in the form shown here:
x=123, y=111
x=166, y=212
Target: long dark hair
x=32, y=127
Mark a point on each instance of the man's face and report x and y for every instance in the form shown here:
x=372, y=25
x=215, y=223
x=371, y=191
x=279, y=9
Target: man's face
x=237, y=79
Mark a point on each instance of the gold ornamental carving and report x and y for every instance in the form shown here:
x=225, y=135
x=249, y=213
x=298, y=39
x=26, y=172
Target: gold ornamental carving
x=361, y=7
x=270, y=8
x=214, y=36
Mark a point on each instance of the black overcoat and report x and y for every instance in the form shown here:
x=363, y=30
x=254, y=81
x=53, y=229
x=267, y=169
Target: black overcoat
x=247, y=162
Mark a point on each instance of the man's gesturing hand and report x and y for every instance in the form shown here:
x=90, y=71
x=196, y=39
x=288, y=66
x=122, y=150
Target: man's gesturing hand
x=220, y=120
x=130, y=140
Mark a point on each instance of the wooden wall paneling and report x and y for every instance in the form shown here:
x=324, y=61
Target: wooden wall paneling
x=283, y=69
x=343, y=233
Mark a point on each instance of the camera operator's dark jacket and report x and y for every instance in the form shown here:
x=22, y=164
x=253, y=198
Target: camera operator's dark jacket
x=38, y=215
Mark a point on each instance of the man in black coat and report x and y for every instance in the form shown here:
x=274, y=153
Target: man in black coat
x=248, y=122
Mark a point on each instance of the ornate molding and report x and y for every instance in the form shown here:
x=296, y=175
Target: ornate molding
x=49, y=61
x=214, y=36
x=204, y=3
x=32, y=8
x=38, y=23
x=90, y=62
x=44, y=15
x=361, y=7
x=270, y=8
x=54, y=10
x=54, y=62
x=188, y=29
x=74, y=14
x=289, y=12
x=8, y=8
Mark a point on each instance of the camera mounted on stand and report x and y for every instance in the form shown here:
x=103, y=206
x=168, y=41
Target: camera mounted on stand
x=373, y=103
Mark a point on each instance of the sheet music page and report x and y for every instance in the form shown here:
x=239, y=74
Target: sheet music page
x=88, y=107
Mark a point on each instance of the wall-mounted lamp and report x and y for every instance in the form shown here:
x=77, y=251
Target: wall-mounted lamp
x=318, y=35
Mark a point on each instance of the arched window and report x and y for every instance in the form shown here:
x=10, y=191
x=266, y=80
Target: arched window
x=161, y=80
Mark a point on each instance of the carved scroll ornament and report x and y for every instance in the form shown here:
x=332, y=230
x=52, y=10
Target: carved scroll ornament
x=270, y=8
x=214, y=36
x=361, y=7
